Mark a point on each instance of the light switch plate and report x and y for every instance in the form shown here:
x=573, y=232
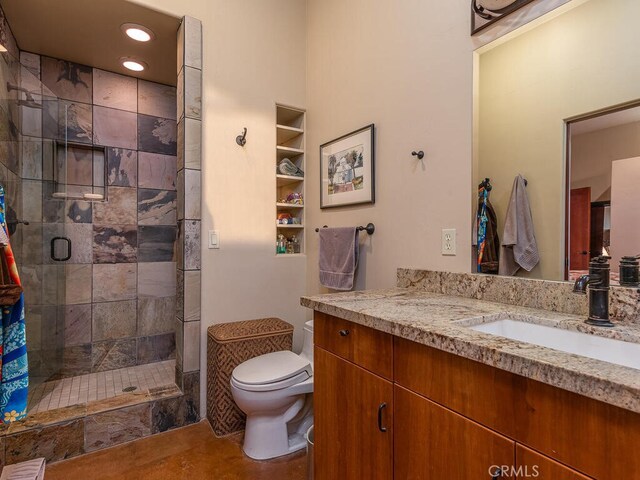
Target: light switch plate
x=214, y=239
x=448, y=241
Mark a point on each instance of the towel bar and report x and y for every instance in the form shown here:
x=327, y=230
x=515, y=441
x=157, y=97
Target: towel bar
x=370, y=228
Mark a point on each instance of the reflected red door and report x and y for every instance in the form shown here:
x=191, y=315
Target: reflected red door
x=579, y=228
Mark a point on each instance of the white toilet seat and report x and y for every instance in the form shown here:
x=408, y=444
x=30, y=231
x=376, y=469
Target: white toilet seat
x=273, y=371
x=269, y=387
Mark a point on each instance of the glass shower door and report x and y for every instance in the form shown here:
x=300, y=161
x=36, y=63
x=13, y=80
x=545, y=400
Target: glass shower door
x=39, y=220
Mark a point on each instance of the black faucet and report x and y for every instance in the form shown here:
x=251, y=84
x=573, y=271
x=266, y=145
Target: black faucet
x=598, y=282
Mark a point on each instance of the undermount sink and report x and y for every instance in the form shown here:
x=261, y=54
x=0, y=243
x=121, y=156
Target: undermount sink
x=600, y=348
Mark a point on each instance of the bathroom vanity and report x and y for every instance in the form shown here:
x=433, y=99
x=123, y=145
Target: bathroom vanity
x=407, y=387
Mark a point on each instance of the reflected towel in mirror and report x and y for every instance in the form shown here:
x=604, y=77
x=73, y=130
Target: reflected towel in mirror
x=519, y=246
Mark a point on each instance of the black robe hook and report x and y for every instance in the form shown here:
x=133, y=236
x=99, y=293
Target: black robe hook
x=242, y=139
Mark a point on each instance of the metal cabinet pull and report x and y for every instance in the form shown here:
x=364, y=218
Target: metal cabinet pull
x=382, y=406
x=496, y=474
x=54, y=257
x=343, y=333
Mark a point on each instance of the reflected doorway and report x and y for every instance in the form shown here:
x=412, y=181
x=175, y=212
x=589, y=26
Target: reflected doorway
x=603, y=188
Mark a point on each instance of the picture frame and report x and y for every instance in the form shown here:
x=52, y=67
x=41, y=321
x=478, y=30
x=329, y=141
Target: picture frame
x=347, y=169
x=487, y=12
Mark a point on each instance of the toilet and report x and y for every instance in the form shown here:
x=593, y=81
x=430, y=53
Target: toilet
x=275, y=391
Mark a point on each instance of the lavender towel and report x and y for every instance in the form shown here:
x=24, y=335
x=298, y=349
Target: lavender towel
x=338, y=257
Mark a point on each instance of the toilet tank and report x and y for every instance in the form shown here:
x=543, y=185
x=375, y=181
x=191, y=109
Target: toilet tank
x=307, y=345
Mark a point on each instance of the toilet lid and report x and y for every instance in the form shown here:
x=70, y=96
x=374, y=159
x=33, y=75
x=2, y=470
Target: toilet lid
x=273, y=368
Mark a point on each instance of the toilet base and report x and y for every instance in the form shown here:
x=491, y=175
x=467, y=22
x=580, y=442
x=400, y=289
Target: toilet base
x=296, y=442
x=269, y=437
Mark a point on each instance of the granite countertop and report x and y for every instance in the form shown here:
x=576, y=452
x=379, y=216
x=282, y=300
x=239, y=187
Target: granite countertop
x=441, y=321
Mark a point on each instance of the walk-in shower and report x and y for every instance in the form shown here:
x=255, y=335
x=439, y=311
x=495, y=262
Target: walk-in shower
x=89, y=166
x=101, y=168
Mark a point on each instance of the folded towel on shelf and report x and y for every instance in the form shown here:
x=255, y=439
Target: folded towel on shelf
x=338, y=257
x=519, y=246
x=287, y=167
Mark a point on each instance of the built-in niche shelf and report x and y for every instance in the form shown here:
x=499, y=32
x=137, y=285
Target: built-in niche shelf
x=284, y=180
x=289, y=150
x=290, y=143
x=79, y=171
x=288, y=205
x=286, y=133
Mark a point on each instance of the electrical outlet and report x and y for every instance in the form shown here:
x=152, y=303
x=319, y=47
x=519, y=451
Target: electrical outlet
x=448, y=241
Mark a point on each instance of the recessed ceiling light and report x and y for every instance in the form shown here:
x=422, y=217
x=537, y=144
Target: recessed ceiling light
x=133, y=64
x=137, y=32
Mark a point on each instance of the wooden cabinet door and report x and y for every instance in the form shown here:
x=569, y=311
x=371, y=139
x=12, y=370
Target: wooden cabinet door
x=531, y=464
x=434, y=443
x=353, y=421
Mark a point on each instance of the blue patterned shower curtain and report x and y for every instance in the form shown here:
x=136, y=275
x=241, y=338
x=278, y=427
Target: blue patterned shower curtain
x=14, y=382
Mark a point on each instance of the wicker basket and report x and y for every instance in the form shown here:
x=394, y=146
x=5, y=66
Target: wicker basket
x=228, y=345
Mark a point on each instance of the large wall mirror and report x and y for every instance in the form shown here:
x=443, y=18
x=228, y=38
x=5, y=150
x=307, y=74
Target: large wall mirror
x=559, y=104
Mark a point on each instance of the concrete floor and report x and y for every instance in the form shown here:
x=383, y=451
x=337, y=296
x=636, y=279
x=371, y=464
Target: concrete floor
x=192, y=453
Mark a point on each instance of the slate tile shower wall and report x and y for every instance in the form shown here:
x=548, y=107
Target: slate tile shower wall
x=189, y=178
x=120, y=283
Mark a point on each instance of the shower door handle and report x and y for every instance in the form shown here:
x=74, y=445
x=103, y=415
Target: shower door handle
x=54, y=257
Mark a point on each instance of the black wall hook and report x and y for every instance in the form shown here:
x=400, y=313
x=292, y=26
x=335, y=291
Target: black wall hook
x=242, y=139
x=419, y=154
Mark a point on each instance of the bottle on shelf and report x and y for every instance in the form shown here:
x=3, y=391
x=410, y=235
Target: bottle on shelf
x=281, y=244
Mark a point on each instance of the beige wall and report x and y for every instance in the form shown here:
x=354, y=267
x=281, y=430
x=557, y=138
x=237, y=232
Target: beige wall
x=254, y=56
x=407, y=69
x=577, y=63
x=392, y=63
x=593, y=152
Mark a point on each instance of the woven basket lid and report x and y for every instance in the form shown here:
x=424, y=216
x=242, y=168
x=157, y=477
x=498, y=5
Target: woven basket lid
x=262, y=327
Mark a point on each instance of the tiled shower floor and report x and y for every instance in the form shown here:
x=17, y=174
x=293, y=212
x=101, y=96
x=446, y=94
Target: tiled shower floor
x=99, y=386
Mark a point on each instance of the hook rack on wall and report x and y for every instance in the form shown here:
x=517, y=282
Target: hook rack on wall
x=242, y=139
x=486, y=183
x=419, y=154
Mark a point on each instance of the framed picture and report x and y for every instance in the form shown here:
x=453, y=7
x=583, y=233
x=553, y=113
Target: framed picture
x=487, y=12
x=347, y=169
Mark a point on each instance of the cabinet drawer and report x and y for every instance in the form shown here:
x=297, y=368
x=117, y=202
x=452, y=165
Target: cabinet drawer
x=532, y=464
x=433, y=443
x=364, y=346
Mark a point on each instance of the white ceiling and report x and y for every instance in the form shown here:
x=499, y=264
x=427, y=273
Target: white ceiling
x=88, y=32
x=630, y=115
